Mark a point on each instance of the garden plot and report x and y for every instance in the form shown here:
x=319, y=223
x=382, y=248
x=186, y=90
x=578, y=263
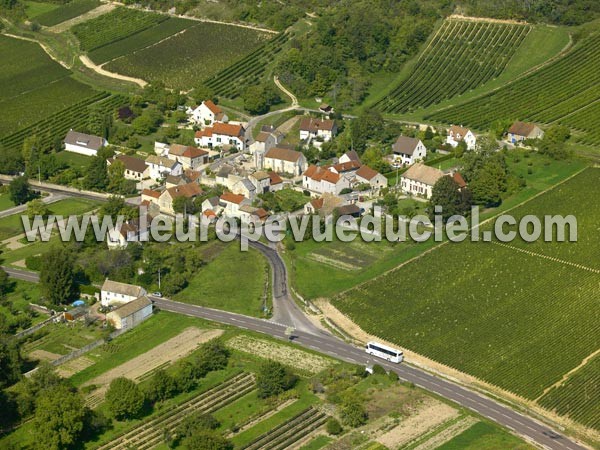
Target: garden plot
x=168, y=352
x=429, y=414
x=298, y=359
x=348, y=256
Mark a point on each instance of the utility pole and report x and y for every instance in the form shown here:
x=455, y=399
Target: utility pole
x=159, y=278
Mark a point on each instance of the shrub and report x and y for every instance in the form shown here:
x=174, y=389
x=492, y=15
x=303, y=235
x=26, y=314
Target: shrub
x=378, y=370
x=34, y=263
x=274, y=378
x=333, y=427
x=124, y=398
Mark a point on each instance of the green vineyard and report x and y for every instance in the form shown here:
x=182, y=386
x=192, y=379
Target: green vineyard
x=67, y=11
x=566, y=91
x=516, y=320
x=57, y=126
x=461, y=56
x=250, y=70
x=578, y=396
x=114, y=26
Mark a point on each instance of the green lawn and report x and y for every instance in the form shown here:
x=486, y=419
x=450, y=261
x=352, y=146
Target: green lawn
x=5, y=202
x=18, y=299
x=34, y=9
x=233, y=281
x=485, y=436
x=74, y=160
x=317, y=443
x=63, y=338
x=12, y=225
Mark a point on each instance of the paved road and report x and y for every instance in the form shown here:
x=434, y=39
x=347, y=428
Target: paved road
x=323, y=342
x=19, y=209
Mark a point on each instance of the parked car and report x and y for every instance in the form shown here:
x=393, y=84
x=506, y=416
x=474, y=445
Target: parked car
x=157, y=294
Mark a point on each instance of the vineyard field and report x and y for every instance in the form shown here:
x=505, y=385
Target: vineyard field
x=114, y=26
x=140, y=40
x=56, y=126
x=66, y=11
x=250, y=70
x=565, y=91
x=578, y=396
x=195, y=54
x=25, y=67
x=461, y=56
x=510, y=318
x=584, y=124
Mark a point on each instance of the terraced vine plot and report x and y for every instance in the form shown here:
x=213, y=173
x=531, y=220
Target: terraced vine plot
x=289, y=432
x=150, y=433
x=250, y=70
x=461, y=56
x=188, y=57
x=549, y=94
x=114, y=26
x=140, y=40
x=578, y=396
x=75, y=116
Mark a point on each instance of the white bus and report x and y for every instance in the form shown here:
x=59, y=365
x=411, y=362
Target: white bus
x=385, y=352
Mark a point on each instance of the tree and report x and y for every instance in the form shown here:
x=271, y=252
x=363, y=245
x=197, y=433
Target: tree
x=207, y=440
x=202, y=92
x=116, y=176
x=162, y=386
x=97, y=175
x=5, y=283
x=10, y=361
x=489, y=183
x=59, y=418
x=274, y=378
x=447, y=193
x=124, y=398
x=195, y=422
x=19, y=191
x=57, y=276
x=554, y=141
x=37, y=207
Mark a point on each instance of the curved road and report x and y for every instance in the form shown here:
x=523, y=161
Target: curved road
x=308, y=335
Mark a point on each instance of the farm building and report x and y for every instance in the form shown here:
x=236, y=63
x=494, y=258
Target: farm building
x=366, y=175
x=283, y=160
x=84, y=144
x=132, y=314
x=221, y=135
x=419, y=180
x=458, y=134
x=265, y=141
x=207, y=113
x=113, y=292
x=408, y=150
x=519, y=131
x=189, y=157
x=161, y=167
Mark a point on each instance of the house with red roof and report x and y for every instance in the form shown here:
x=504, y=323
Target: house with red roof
x=283, y=160
x=221, y=135
x=207, y=113
x=231, y=203
x=189, y=157
x=458, y=134
x=323, y=180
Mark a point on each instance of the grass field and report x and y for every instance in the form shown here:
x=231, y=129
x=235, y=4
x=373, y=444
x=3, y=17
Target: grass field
x=233, y=281
x=35, y=9
x=497, y=303
x=461, y=56
x=12, y=225
x=548, y=95
x=62, y=338
x=73, y=159
x=485, y=436
x=199, y=52
x=61, y=13
x=5, y=202
x=140, y=40
x=17, y=300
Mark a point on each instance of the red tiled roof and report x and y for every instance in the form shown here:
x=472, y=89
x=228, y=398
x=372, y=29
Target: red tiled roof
x=317, y=203
x=151, y=193
x=522, y=128
x=207, y=132
x=187, y=190
x=366, y=172
x=330, y=177
x=228, y=129
x=275, y=178
x=283, y=154
x=347, y=166
x=232, y=198
x=213, y=108
x=310, y=124
x=457, y=177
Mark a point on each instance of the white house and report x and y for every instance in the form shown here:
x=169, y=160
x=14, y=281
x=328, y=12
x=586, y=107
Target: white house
x=265, y=141
x=129, y=315
x=244, y=187
x=207, y=113
x=366, y=175
x=349, y=156
x=458, y=134
x=519, y=131
x=276, y=182
x=84, y=144
x=261, y=181
x=408, y=150
x=119, y=237
x=231, y=203
x=189, y=157
x=161, y=167
x=189, y=191
x=113, y=292
x=221, y=135
x=324, y=180
x=419, y=180
x=135, y=168
x=323, y=129
x=283, y=160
